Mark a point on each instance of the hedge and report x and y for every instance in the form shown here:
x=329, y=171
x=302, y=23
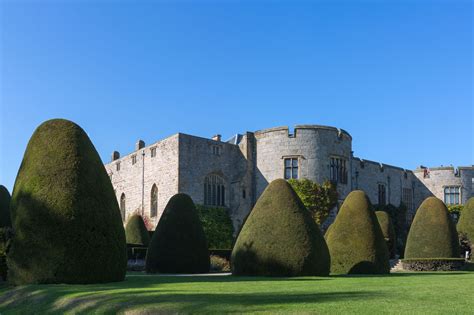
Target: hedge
x=433, y=264
x=388, y=231
x=355, y=239
x=280, y=238
x=466, y=221
x=136, y=232
x=432, y=233
x=178, y=244
x=63, y=209
x=217, y=226
x=5, y=220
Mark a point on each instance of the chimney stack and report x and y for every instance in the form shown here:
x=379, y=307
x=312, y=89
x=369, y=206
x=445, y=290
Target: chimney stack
x=217, y=137
x=139, y=145
x=115, y=155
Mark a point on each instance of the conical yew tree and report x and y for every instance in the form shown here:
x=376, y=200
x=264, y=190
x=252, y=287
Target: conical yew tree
x=64, y=212
x=5, y=220
x=136, y=232
x=178, y=244
x=388, y=231
x=280, y=238
x=432, y=233
x=355, y=240
x=466, y=221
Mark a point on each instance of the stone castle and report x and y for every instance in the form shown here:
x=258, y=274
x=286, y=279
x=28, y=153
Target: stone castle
x=234, y=173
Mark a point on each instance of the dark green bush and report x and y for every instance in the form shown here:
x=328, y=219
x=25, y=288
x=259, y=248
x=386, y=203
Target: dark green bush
x=64, y=212
x=466, y=220
x=399, y=223
x=432, y=233
x=280, y=238
x=4, y=207
x=136, y=232
x=355, y=239
x=6, y=235
x=433, y=264
x=217, y=226
x=179, y=244
x=388, y=231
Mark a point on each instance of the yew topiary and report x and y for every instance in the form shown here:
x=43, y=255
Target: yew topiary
x=5, y=198
x=64, y=212
x=388, y=231
x=466, y=221
x=178, y=244
x=136, y=232
x=355, y=239
x=280, y=238
x=432, y=233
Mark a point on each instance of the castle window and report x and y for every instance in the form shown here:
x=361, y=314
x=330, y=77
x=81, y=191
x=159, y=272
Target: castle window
x=291, y=168
x=122, y=206
x=338, y=170
x=117, y=166
x=452, y=195
x=243, y=194
x=407, y=198
x=382, y=195
x=216, y=150
x=214, y=191
x=134, y=159
x=154, y=201
x=153, y=152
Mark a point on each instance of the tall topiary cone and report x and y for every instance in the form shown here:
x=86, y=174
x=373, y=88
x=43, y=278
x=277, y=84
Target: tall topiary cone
x=280, y=238
x=355, y=240
x=432, y=233
x=5, y=220
x=136, y=232
x=178, y=244
x=66, y=219
x=466, y=221
x=388, y=231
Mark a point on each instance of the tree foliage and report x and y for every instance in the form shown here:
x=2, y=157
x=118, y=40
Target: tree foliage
x=217, y=226
x=318, y=199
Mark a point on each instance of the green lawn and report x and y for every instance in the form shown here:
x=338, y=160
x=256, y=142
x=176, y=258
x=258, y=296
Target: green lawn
x=428, y=293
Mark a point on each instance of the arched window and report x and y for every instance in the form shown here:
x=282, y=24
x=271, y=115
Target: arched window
x=154, y=201
x=214, y=190
x=122, y=206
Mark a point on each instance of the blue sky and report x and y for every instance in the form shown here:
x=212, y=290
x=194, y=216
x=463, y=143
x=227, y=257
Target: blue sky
x=398, y=75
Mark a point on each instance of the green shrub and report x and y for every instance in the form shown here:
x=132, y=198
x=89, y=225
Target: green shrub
x=217, y=226
x=355, y=239
x=136, y=232
x=4, y=207
x=466, y=221
x=64, y=212
x=219, y=264
x=399, y=223
x=388, y=231
x=433, y=264
x=318, y=199
x=6, y=235
x=280, y=238
x=432, y=233
x=179, y=244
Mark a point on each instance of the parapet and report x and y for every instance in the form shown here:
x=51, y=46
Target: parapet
x=340, y=132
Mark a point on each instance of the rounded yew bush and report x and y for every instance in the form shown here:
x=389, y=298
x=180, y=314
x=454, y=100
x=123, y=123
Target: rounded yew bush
x=178, y=244
x=5, y=198
x=355, y=239
x=466, y=221
x=280, y=238
x=432, y=233
x=64, y=212
x=388, y=231
x=136, y=231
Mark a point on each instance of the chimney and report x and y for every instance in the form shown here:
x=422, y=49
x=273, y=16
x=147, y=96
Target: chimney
x=139, y=145
x=217, y=138
x=115, y=155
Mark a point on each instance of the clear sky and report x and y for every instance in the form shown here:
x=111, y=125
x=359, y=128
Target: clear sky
x=398, y=75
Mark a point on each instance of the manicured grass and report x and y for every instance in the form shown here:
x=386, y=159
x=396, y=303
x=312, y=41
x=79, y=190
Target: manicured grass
x=427, y=293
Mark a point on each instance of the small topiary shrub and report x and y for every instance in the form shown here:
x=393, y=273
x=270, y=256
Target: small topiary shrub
x=6, y=235
x=136, y=232
x=5, y=197
x=388, y=231
x=64, y=212
x=466, y=220
x=217, y=226
x=178, y=244
x=432, y=233
x=433, y=264
x=219, y=264
x=280, y=238
x=355, y=239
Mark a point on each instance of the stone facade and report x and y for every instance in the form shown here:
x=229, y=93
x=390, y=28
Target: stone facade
x=245, y=164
